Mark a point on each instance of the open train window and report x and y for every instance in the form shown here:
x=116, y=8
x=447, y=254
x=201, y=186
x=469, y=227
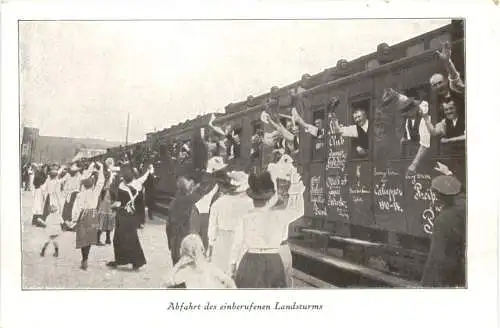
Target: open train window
x=410, y=128
x=360, y=126
x=256, y=126
x=234, y=143
x=318, y=142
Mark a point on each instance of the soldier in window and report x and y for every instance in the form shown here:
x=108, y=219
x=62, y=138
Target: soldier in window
x=320, y=138
x=285, y=138
x=452, y=88
x=416, y=139
x=358, y=132
x=231, y=138
x=451, y=128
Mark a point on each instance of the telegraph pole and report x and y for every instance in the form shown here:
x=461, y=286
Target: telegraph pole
x=128, y=125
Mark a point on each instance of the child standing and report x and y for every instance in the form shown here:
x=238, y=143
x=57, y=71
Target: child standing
x=84, y=214
x=52, y=191
x=105, y=213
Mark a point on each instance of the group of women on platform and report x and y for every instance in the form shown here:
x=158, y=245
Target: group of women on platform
x=229, y=229
x=100, y=198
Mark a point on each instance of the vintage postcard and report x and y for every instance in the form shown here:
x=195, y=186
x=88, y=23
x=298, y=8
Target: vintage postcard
x=267, y=161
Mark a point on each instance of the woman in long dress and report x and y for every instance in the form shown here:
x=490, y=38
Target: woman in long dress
x=51, y=191
x=178, y=223
x=126, y=244
x=39, y=199
x=84, y=214
x=225, y=214
x=194, y=271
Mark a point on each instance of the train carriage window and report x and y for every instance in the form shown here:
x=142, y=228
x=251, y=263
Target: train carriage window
x=318, y=142
x=234, y=142
x=409, y=128
x=257, y=138
x=359, y=142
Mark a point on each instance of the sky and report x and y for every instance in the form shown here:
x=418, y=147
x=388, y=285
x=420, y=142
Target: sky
x=81, y=78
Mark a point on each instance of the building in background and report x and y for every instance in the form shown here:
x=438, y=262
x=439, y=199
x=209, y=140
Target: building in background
x=47, y=149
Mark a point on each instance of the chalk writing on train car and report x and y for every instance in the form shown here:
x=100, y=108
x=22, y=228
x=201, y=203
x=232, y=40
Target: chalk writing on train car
x=390, y=200
x=384, y=174
x=336, y=159
x=423, y=192
x=335, y=184
x=317, y=197
x=428, y=216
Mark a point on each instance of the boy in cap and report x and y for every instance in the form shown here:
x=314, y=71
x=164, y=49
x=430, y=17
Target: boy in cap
x=445, y=266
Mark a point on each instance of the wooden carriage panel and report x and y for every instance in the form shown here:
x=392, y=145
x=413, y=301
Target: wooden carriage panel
x=337, y=190
x=388, y=196
x=315, y=194
x=419, y=199
x=360, y=190
x=386, y=140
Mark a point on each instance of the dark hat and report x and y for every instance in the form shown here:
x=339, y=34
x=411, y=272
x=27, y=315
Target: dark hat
x=261, y=186
x=406, y=106
x=446, y=185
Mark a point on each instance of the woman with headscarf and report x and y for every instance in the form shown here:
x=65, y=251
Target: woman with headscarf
x=225, y=214
x=105, y=212
x=126, y=244
x=52, y=191
x=194, y=271
x=84, y=213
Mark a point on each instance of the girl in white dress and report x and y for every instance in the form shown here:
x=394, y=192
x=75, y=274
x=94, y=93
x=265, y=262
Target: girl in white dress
x=52, y=189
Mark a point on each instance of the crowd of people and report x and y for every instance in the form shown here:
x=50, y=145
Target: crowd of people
x=227, y=228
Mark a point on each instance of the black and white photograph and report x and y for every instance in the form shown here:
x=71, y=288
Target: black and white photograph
x=244, y=153
x=140, y=167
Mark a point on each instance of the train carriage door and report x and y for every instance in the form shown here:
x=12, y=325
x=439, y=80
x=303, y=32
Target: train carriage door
x=359, y=168
x=387, y=172
x=336, y=167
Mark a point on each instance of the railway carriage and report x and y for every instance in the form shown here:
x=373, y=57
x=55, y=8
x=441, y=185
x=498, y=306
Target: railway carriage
x=367, y=222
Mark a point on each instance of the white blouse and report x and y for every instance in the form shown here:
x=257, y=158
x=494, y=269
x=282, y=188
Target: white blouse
x=88, y=198
x=225, y=214
x=265, y=228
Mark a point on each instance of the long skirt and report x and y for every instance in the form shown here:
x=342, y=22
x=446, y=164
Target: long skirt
x=106, y=221
x=261, y=271
x=221, y=252
x=140, y=209
x=68, y=207
x=286, y=257
x=53, y=224
x=38, y=202
x=175, y=235
x=199, y=225
x=86, y=228
x=126, y=244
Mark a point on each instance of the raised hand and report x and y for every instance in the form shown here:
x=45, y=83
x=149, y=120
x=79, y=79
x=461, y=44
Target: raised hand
x=445, y=53
x=440, y=167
